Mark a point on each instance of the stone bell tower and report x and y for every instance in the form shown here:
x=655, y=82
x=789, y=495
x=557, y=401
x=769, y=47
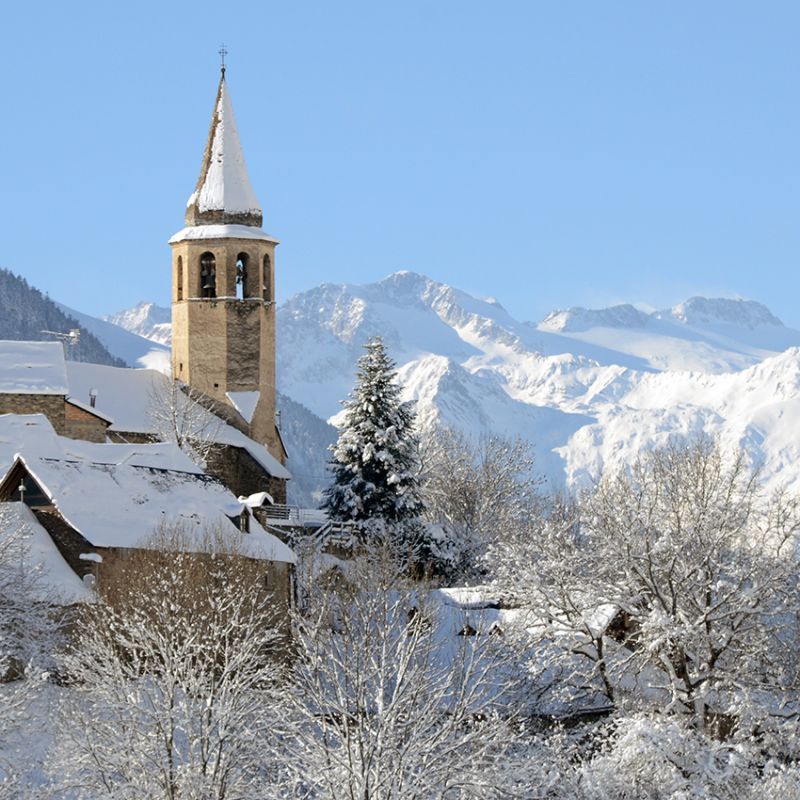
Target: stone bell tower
x=223, y=286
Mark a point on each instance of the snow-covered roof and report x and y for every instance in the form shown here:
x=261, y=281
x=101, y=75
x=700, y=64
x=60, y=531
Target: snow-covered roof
x=126, y=395
x=119, y=495
x=245, y=403
x=54, y=580
x=194, y=232
x=223, y=193
x=32, y=368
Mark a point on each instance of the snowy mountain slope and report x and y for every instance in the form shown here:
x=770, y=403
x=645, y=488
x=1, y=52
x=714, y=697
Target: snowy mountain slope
x=145, y=319
x=712, y=335
x=134, y=350
x=587, y=387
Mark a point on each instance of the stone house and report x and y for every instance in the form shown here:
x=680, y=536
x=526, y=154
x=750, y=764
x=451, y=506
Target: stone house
x=33, y=380
x=100, y=503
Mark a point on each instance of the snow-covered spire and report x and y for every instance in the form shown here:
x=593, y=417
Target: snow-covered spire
x=223, y=195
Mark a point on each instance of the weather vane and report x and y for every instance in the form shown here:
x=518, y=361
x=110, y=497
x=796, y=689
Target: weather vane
x=222, y=53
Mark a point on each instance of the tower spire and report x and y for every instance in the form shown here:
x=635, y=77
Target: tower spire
x=224, y=194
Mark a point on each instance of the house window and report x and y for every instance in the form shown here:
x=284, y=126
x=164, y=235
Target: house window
x=179, y=281
x=267, y=581
x=267, y=291
x=208, y=275
x=242, y=289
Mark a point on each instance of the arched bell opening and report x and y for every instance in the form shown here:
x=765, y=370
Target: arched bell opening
x=208, y=275
x=242, y=277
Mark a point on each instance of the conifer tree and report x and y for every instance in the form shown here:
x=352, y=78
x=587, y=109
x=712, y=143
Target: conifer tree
x=375, y=462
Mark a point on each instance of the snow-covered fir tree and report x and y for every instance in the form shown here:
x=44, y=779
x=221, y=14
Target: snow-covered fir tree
x=375, y=463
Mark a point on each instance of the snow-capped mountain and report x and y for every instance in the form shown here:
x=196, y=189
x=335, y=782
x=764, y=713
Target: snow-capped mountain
x=134, y=350
x=587, y=387
x=147, y=320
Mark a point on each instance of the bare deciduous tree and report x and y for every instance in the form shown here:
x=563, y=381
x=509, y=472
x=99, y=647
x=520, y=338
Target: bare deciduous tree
x=29, y=636
x=477, y=489
x=172, y=679
x=387, y=706
x=677, y=586
x=178, y=413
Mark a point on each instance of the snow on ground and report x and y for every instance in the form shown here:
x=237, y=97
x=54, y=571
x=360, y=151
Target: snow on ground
x=145, y=319
x=118, y=341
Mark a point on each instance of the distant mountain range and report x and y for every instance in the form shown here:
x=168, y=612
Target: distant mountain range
x=586, y=387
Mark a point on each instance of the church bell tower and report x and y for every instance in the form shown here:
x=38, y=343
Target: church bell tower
x=223, y=286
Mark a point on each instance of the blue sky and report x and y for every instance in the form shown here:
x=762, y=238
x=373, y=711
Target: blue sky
x=546, y=154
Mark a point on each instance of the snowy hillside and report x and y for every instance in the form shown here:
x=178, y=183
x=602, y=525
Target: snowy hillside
x=587, y=387
x=133, y=349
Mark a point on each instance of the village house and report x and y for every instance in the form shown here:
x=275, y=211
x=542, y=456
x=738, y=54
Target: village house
x=99, y=503
x=33, y=380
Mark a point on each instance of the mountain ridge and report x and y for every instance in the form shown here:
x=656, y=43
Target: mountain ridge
x=588, y=387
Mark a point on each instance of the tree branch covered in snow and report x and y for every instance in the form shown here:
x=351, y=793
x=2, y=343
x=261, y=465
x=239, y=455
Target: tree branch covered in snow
x=172, y=679
x=385, y=706
x=178, y=414
x=675, y=585
x=476, y=489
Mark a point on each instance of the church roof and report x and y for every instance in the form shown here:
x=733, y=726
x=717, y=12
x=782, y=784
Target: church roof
x=223, y=195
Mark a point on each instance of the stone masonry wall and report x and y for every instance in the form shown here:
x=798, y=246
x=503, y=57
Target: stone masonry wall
x=51, y=405
x=236, y=469
x=80, y=424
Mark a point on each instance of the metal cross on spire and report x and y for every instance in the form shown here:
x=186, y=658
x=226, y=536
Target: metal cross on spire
x=222, y=53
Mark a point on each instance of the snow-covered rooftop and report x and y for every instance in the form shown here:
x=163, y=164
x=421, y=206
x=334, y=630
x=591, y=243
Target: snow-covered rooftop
x=119, y=495
x=245, y=403
x=54, y=581
x=127, y=394
x=194, y=232
x=32, y=368
x=223, y=193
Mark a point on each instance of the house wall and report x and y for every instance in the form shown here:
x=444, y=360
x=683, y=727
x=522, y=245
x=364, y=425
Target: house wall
x=51, y=405
x=68, y=541
x=274, y=577
x=80, y=424
x=236, y=469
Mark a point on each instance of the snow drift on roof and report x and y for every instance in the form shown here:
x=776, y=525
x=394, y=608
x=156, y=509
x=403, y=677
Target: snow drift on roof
x=32, y=368
x=119, y=495
x=245, y=403
x=220, y=232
